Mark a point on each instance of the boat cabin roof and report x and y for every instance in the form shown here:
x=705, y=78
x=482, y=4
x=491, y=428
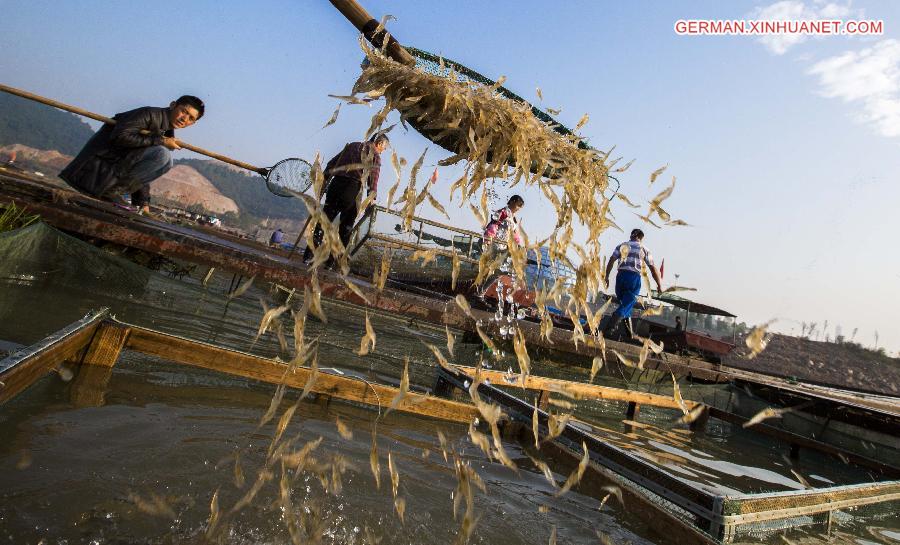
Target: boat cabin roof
x=692, y=306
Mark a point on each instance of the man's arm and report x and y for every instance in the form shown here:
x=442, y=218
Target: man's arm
x=656, y=278
x=609, y=265
x=334, y=162
x=373, y=177
x=126, y=132
x=648, y=260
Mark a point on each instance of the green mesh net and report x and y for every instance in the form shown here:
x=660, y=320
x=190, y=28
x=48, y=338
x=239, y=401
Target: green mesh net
x=39, y=254
x=439, y=66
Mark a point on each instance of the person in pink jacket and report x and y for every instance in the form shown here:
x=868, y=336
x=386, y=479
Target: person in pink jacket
x=504, y=221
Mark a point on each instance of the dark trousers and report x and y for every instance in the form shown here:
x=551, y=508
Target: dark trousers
x=339, y=199
x=131, y=173
x=150, y=163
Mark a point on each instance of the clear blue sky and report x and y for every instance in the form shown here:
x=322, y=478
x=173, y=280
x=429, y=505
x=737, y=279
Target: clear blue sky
x=786, y=153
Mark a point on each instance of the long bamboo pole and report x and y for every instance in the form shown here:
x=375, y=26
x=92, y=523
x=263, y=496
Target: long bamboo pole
x=110, y=121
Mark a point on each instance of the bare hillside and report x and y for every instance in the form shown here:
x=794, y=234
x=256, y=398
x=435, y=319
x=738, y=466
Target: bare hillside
x=842, y=365
x=186, y=186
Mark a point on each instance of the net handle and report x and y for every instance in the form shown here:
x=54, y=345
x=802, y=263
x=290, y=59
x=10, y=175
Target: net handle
x=110, y=121
x=366, y=24
x=308, y=219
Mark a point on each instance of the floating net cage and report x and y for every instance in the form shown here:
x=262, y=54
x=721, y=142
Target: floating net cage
x=728, y=517
x=724, y=515
x=758, y=515
x=39, y=254
x=383, y=231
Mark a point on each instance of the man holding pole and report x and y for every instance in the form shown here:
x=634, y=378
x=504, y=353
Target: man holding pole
x=127, y=156
x=357, y=164
x=632, y=256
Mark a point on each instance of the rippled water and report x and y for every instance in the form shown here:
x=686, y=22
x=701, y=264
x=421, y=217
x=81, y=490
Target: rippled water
x=80, y=461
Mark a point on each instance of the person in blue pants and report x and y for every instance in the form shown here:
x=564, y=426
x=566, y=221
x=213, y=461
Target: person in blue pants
x=631, y=256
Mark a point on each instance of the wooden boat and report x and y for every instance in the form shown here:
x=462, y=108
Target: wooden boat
x=691, y=341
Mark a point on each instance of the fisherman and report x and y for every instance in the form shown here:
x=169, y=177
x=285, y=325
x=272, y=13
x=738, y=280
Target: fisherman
x=277, y=238
x=357, y=164
x=127, y=156
x=504, y=221
x=632, y=256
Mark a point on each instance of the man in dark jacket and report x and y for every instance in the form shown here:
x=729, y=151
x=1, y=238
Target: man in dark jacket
x=357, y=164
x=127, y=156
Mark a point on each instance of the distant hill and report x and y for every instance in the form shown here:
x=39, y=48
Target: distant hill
x=247, y=190
x=28, y=158
x=842, y=364
x=42, y=127
x=185, y=186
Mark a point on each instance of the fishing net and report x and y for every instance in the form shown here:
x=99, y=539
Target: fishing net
x=382, y=233
x=289, y=177
x=446, y=68
x=425, y=253
x=39, y=255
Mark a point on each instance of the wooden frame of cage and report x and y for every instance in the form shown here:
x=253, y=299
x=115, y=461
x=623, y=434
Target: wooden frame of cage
x=716, y=516
x=94, y=344
x=635, y=399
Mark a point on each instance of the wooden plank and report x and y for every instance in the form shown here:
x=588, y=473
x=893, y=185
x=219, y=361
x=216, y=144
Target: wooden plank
x=633, y=410
x=564, y=460
x=96, y=366
x=21, y=369
x=433, y=223
x=811, y=501
x=629, y=466
x=594, y=392
x=580, y=390
x=106, y=345
x=211, y=357
x=411, y=246
x=544, y=400
x=90, y=384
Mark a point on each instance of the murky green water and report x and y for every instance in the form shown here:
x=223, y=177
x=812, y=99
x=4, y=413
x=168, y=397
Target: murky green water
x=85, y=463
